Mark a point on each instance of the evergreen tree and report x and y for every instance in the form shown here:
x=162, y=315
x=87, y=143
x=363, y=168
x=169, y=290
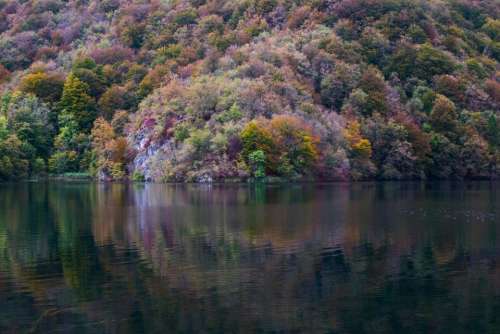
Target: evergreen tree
x=77, y=102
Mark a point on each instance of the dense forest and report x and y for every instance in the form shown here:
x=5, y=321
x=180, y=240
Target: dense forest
x=208, y=90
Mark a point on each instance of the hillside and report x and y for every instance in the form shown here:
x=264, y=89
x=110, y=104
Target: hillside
x=200, y=90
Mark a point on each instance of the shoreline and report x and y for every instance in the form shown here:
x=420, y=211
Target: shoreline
x=249, y=181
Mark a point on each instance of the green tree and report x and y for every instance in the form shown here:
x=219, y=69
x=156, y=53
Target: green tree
x=431, y=61
x=493, y=131
x=13, y=164
x=77, y=102
x=257, y=161
x=29, y=119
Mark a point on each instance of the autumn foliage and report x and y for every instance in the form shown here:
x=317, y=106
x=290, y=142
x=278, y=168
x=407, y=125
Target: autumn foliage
x=213, y=90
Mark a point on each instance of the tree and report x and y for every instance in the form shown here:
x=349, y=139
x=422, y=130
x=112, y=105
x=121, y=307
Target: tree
x=4, y=74
x=373, y=84
x=402, y=62
x=46, y=86
x=64, y=162
x=115, y=98
x=94, y=80
x=492, y=28
x=71, y=147
x=77, y=102
x=493, y=90
x=296, y=143
x=109, y=150
x=256, y=137
x=257, y=161
x=13, y=164
x=360, y=151
x=493, y=131
x=430, y=62
x=445, y=161
x=444, y=115
x=333, y=92
x=287, y=143
x=29, y=119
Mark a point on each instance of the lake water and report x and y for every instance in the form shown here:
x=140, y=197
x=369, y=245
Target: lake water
x=361, y=258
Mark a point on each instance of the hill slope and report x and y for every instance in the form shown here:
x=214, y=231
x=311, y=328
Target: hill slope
x=199, y=90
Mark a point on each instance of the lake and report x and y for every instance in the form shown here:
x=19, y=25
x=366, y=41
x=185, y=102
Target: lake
x=322, y=258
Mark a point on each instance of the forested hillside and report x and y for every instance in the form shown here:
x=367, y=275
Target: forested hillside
x=207, y=90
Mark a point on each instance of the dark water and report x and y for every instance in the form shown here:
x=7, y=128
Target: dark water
x=364, y=258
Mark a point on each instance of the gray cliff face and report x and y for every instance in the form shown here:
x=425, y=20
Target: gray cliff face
x=150, y=156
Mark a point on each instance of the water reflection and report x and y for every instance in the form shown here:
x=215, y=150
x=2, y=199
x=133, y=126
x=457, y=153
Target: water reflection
x=364, y=258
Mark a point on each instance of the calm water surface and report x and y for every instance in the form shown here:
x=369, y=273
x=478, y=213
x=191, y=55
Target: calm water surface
x=363, y=258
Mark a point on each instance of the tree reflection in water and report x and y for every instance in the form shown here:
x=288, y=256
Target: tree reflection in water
x=337, y=258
